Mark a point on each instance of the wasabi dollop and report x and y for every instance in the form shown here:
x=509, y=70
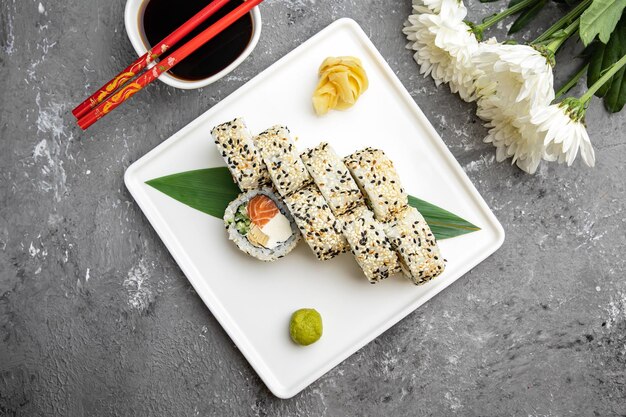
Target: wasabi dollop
x=305, y=327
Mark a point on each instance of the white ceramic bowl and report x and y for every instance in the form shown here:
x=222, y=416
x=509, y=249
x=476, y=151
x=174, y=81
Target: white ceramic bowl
x=133, y=19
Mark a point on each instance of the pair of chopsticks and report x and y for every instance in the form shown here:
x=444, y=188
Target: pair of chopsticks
x=126, y=83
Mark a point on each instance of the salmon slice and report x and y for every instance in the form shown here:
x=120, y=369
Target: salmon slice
x=261, y=209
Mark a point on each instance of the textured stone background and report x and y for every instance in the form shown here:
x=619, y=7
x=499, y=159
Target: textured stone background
x=97, y=320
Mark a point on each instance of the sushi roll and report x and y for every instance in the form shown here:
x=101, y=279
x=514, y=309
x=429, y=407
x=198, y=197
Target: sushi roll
x=234, y=142
x=281, y=158
x=416, y=246
x=378, y=180
x=261, y=225
x=316, y=222
x=369, y=245
x=333, y=179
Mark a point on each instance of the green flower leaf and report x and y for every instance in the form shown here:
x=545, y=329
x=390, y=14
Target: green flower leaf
x=600, y=19
x=601, y=59
x=526, y=16
x=211, y=190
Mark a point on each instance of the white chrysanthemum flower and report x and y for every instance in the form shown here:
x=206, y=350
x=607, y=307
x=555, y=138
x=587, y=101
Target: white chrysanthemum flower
x=514, y=73
x=515, y=81
x=514, y=136
x=444, y=45
x=563, y=132
x=461, y=44
x=436, y=7
x=551, y=133
x=432, y=60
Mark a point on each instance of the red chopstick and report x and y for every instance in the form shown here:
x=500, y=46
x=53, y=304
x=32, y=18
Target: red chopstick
x=178, y=55
x=136, y=67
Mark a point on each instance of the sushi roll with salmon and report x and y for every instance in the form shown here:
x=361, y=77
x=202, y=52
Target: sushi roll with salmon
x=283, y=162
x=235, y=144
x=369, y=244
x=377, y=178
x=416, y=246
x=260, y=225
x=333, y=179
x=317, y=223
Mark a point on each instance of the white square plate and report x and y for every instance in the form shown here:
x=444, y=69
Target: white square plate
x=252, y=300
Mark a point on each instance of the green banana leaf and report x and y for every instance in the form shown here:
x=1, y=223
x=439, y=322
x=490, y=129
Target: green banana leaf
x=211, y=190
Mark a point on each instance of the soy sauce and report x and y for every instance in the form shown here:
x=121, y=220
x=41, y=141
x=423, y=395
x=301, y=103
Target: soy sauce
x=162, y=17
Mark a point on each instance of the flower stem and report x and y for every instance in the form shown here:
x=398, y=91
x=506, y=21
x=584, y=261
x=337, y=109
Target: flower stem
x=564, y=21
x=492, y=20
x=572, y=82
x=602, y=80
x=560, y=38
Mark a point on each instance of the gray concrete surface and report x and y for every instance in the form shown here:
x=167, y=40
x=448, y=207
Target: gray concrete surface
x=96, y=319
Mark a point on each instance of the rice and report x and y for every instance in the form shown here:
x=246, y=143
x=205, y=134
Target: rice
x=416, y=246
x=333, y=179
x=279, y=153
x=369, y=245
x=316, y=222
x=234, y=142
x=378, y=180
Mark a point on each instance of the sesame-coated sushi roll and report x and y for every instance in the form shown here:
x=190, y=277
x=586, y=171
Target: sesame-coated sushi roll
x=282, y=160
x=378, y=180
x=316, y=222
x=415, y=245
x=333, y=179
x=234, y=142
x=261, y=225
x=369, y=245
